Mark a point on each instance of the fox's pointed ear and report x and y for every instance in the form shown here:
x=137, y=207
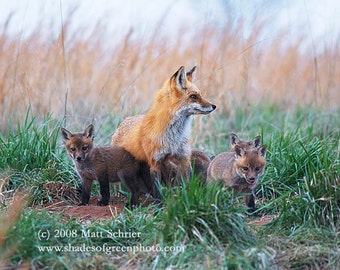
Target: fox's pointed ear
x=257, y=141
x=65, y=134
x=89, y=132
x=239, y=151
x=262, y=150
x=178, y=80
x=189, y=74
x=234, y=139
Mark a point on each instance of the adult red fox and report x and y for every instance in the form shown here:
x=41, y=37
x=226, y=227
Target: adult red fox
x=163, y=133
x=106, y=164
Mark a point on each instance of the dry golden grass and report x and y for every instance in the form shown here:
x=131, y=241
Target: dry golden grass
x=82, y=78
x=7, y=220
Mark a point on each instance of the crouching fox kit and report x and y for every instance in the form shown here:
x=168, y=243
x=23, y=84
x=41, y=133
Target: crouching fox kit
x=239, y=170
x=161, y=136
x=200, y=161
x=105, y=164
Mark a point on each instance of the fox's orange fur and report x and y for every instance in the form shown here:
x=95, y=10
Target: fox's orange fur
x=163, y=133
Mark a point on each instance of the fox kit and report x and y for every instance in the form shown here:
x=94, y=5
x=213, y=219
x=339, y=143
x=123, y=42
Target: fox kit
x=234, y=140
x=105, y=164
x=200, y=163
x=161, y=136
x=239, y=170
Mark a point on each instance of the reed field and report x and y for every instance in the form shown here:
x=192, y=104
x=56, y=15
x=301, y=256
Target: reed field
x=286, y=90
x=84, y=78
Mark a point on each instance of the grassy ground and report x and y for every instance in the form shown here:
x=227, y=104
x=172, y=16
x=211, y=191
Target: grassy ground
x=205, y=227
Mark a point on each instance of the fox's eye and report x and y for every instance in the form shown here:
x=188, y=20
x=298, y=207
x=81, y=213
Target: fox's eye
x=84, y=148
x=245, y=168
x=73, y=149
x=193, y=96
x=257, y=168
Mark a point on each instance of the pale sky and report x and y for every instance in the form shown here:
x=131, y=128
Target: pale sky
x=320, y=19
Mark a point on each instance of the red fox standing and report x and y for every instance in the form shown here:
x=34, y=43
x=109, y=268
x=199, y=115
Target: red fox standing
x=161, y=136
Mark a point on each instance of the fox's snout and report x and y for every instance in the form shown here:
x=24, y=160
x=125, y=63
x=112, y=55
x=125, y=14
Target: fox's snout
x=78, y=158
x=251, y=180
x=198, y=108
x=209, y=109
x=213, y=107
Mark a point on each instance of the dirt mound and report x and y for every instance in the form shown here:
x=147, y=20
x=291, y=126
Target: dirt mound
x=92, y=211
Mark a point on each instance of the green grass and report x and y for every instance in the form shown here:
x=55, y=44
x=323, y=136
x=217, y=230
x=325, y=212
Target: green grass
x=31, y=155
x=300, y=185
x=30, y=145
x=209, y=214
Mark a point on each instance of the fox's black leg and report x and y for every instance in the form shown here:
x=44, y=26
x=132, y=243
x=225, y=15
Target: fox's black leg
x=156, y=186
x=132, y=184
x=151, y=180
x=146, y=176
x=86, y=192
x=250, y=201
x=134, y=200
x=104, y=191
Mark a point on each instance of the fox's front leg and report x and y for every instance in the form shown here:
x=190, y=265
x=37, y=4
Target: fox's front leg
x=85, y=191
x=104, y=191
x=250, y=202
x=156, y=176
x=134, y=197
x=132, y=183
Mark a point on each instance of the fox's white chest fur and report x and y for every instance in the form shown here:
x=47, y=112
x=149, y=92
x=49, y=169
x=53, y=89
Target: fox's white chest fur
x=175, y=139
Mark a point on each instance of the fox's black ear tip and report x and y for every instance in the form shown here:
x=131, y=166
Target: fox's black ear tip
x=89, y=131
x=182, y=69
x=191, y=71
x=263, y=149
x=65, y=134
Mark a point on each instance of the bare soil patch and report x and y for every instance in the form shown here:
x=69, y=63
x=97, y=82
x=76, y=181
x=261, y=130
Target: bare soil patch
x=92, y=211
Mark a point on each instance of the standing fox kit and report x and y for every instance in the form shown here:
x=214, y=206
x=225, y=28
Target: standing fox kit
x=239, y=170
x=105, y=164
x=162, y=134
